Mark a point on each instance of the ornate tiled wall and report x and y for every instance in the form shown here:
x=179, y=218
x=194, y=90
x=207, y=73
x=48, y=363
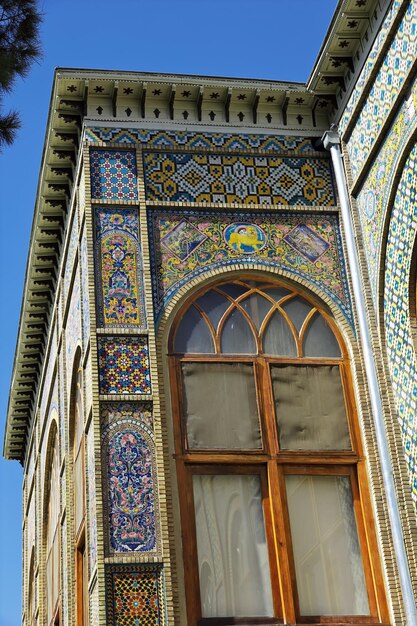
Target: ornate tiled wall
x=399, y=339
x=91, y=486
x=188, y=139
x=123, y=364
x=84, y=289
x=113, y=175
x=378, y=104
x=119, y=283
x=71, y=253
x=130, y=476
x=374, y=196
x=73, y=331
x=185, y=244
x=135, y=595
x=369, y=64
x=244, y=179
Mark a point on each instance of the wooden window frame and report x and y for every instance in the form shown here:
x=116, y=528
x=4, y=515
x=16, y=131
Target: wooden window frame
x=273, y=465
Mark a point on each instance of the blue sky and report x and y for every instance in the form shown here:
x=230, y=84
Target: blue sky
x=272, y=39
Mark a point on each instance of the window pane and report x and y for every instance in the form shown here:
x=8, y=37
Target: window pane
x=297, y=310
x=319, y=339
x=220, y=407
x=233, y=290
x=328, y=562
x=237, y=336
x=277, y=293
x=256, y=307
x=214, y=305
x=232, y=553
x=310, y=407
x=278, y=338
x=193, y=334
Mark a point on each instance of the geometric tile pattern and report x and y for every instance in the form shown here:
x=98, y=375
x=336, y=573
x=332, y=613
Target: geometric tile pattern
x=71, y=254
x=113, y=174
x=123, y=364
x=373, y=199
x=73, y=327
x=244, y=179
x=399, y=340
x=187, y=139
x=391, y=76
x=119, y=284
x=128, y=467
x=304, y=245
x=369, y=64
x=135, y=595
x=84, y=289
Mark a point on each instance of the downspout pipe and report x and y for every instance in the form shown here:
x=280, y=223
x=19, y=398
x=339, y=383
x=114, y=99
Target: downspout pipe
x=331, y=141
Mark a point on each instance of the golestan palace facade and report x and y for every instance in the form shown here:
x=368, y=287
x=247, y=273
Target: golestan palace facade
x=215, y=386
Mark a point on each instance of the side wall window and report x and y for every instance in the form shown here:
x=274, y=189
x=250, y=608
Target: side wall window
x=267, y=456
x=53, y=540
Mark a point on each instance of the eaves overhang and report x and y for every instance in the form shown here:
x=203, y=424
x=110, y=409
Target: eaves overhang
x=100, y=96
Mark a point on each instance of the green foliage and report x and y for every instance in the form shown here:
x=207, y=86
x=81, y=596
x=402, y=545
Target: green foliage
x=19, y=47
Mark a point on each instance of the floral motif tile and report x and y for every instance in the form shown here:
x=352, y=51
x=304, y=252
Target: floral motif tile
x=119, y=282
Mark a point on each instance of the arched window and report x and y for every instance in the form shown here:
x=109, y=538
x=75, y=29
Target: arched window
x=267, y=456
x=81, y=562
x=53, y=585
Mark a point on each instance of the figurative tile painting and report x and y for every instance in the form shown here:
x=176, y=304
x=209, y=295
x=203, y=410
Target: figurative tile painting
x=135, y=595
x=123, y=364
x=238, y=179
x=119, y=284
x=244, y=237
x=113, y=174
x=304, y=245
x=128, y=465
x=307, y=242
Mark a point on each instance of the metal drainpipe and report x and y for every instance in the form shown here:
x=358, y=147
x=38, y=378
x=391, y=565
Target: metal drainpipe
x=331, y=141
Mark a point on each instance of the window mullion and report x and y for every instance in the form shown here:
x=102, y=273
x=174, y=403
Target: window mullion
x=282, y=541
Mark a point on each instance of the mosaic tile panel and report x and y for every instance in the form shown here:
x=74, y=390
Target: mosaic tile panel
x=73, y=329
x=88, y=385
x=129, y=468
x=248, y=180
x=119, y=281
x=304, y=245
x=91, y=486
x=113, y=174
x=399, y=340
x=374, y=196
x=369, y=64
x=72, y=251
x=391, y=76
x=84, y=290
x=135, y=595
x=123, y=365
x=188, y=139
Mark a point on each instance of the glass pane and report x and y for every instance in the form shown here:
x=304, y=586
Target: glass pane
x=297, y=310
x=328, y=562
x=310, y=407
x=220, y=407
x=233, y=290
x=319, y=339
x=232, y=553
x=237, y=336
x=278, y=338
x=193, y=334
x=277, y=293
x=214, y=304
x=256, y=307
